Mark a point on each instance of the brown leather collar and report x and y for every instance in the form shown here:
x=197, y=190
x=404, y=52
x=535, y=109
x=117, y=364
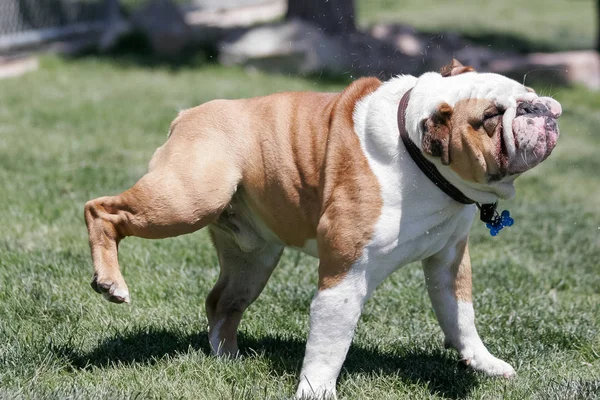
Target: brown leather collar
x=425, y=165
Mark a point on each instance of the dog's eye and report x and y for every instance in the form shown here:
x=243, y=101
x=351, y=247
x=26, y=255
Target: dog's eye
x=491, y=120
x=488, y=117
x=491, y=114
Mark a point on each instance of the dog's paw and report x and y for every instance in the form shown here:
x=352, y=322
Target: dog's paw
x=112, y=291
x=490, y=365
x=306, y=391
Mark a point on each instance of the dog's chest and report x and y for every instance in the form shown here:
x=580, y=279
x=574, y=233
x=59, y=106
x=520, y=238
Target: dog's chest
x=417, y=218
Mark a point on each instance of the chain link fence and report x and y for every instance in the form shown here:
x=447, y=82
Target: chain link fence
x=17, y=16
x=30, y=22
x=26, y=24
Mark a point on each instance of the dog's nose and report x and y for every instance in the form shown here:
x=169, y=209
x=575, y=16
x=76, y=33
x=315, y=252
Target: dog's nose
x=528, y=107
x=541, y=106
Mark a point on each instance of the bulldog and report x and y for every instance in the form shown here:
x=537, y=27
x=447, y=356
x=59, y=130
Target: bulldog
x=333, y=174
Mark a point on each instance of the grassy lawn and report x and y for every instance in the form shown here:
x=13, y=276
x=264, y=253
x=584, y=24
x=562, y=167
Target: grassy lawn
x=539, y=25
x=79, y=129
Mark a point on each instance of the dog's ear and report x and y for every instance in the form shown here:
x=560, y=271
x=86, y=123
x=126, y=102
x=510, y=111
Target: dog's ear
x=436, y=133
x=455, y=68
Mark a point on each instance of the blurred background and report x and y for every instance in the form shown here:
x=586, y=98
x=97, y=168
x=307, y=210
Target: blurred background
x=88, y=92
x=554, y=39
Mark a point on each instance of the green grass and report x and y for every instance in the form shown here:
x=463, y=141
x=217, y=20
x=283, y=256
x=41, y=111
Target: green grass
x=79, y=129
x=532, y=25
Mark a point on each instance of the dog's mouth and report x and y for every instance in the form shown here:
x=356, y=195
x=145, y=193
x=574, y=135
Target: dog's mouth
x=534, y=134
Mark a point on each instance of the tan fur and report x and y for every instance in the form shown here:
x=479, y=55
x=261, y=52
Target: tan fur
x=283, y=177
x=237, y=287
x=461, y=269
x=436, y=136
x=473, y=152
x=351, y=195
x=288, y=165
x=455, y=68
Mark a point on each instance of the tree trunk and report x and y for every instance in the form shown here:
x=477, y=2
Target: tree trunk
x=597, y=25
x=335, y=17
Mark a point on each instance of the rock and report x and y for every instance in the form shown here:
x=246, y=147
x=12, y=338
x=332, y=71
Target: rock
x=240, y=13
x=213, y=20
x=403, y=37
x=300, y=47
x=225, y=4
x=369, y=56
x=294, y=47
x=569, y=67
x=11, y=67
x=164, y=25
x=391, y=49
x=581, y=67
x=432, y=51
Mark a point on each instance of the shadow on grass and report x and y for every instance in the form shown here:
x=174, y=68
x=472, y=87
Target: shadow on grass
x=137, y=347
x=437, y=369
x=134, y=51
x=512, y=42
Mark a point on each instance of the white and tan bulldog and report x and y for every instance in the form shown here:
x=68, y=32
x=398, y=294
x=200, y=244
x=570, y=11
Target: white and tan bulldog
x=328, y=173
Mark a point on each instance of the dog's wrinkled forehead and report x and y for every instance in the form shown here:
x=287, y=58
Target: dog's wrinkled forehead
x=488, y=86
x=431, y=90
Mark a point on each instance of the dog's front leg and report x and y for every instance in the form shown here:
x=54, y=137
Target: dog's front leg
x=448, y=279
x=334, y=313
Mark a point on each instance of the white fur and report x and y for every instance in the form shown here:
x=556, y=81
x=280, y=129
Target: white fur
x=431, y=90
x=334, y=313
x=214, y=339
x=418, y=222
x=122, y=293
x=457, y=318
x=118, y=292
x=417, y=218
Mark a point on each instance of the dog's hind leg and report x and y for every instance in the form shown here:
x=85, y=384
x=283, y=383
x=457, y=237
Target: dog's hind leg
x=243, y=276
x=179, y=195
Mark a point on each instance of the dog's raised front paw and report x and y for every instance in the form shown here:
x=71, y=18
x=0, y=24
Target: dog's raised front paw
x=111, y=290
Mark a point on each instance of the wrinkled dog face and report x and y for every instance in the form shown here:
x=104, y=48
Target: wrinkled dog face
x=535, y=132
x=490, y=141
x=486, y=127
